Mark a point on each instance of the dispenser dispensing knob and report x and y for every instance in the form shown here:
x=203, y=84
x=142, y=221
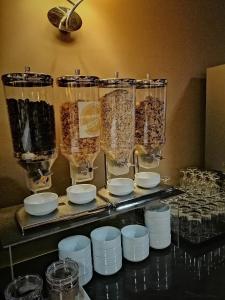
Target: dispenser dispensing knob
x=157, y=156
x=77, y=72
x=27, y=69
x=88, y=170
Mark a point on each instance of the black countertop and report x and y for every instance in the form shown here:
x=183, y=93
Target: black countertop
x=174, y=273
x=169, y=274
x=178, y=272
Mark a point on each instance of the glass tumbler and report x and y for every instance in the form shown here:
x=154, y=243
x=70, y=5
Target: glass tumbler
x=28, y=287
x=195, y=221
x=63, y=280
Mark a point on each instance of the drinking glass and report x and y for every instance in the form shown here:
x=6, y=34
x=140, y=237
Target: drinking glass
x=63, y=280
x=194, y=222
x=28, y=287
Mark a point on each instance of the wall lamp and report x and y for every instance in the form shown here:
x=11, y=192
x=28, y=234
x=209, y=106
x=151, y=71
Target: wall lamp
x=65, y=19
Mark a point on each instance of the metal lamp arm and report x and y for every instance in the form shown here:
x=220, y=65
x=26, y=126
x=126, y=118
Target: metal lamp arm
x=72, y=10
x=71, y=2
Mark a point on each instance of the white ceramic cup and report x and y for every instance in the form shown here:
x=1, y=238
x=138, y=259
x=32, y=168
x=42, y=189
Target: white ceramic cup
x=106, y=237
x=84, y=279
x=107, y=270
x=77, y=248
x=158, y=210
x=158, y=226
x=107, y=251
x=109, y=261
x=160, y=242
x=135, y=239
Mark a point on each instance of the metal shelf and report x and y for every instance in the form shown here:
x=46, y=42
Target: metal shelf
x=10, y=233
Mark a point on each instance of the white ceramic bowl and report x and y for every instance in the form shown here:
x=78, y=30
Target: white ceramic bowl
x=81, y=193
x=120, y=186
x=41, y=204
x=147, y=179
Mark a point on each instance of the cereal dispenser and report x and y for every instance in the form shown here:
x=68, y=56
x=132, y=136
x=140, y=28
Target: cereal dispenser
x=80, y=123
x=117, y=102
x=150, y=121
x=32, y=122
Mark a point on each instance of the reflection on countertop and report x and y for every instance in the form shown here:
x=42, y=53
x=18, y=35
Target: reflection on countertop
x=173, y=273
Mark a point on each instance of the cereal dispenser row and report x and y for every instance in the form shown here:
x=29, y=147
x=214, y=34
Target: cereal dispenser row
x=119, y=116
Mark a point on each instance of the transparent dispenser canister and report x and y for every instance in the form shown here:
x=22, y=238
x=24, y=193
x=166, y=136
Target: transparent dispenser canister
x=32, y=122
x=80, y=123
x=117, y=102
x=150, y=121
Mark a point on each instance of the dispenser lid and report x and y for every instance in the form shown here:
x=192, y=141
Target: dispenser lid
x=27, y=79
x=117, y=82
x=77, y=81
x=151, y=83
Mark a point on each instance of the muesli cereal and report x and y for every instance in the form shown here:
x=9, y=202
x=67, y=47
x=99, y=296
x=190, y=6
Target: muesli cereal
x=149, y=125
x=80, y=150
x=117, y=127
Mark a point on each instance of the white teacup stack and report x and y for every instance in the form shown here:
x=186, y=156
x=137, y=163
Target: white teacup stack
x=78, y=248
x=107, y=251
x=135, y=239
x=157, y=219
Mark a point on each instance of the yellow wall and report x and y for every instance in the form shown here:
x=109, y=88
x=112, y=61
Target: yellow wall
x=173, y=39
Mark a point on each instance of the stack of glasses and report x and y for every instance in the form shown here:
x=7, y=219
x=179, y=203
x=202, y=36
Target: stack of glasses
x=107, y=251
x=200, y=182
x=198, y=218
x=157, y=220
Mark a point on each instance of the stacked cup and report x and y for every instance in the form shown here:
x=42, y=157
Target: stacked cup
x=157, y=219
x=135, y=239
x=107, y=251
x=78, y=248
